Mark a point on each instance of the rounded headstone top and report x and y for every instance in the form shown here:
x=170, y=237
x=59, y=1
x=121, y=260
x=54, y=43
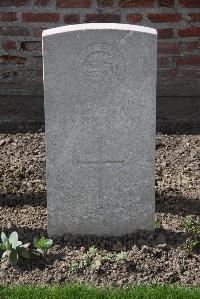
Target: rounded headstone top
x=99, y=26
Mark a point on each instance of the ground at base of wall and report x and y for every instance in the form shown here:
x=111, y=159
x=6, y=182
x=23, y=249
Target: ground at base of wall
x=157, y=257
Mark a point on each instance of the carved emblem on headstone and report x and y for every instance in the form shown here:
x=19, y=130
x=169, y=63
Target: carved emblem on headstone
x=100, y=67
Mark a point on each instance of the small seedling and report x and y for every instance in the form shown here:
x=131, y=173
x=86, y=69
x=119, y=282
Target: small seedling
x=42, y=244
x=95, y=265
x=13, y=248
x=92, y=251
x=158, y=223
x=191, y=226
x=73, y=266
x=84, y=261
x=121, y=256
x=190, y=245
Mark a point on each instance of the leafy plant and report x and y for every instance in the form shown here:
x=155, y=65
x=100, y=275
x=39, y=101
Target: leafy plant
x=90, y=259
x=92, y=251
x=73, y=266
x=190, y=245
x=121, y=256
x=191, y=226
x=41, y=244
x=95, y=265
x=13, y=248
x=158, y=223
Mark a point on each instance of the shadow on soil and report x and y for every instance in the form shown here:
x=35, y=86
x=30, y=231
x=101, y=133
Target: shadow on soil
x=183, y=128
x=176, y=205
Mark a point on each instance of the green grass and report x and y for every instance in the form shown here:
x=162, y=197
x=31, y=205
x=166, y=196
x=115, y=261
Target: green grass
x=84, y=292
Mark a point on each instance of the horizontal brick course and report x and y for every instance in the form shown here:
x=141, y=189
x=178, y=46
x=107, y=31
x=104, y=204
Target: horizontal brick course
x=165, y=33
x=195, y=17
x=168, y=47
x=14, y=31
x=102, y=18
x=160, y=18
x=166, y=3
x=193, y=31
x=40, y=17
x=8, y=16
x=136, y=3
x=134, y=18
x=14, y=3
x=189, y=3
x=188, y=60
x=72, y=19
x=73, y=3
x=9, y=45
x=105, y=3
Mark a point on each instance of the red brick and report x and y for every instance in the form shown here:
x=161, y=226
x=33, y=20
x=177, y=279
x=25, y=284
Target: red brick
x=168, y=48
x=189, y=3
x=192, y=45
x=166, y=3
x=193, y=31
x=37, y=32
x=8, y=16
x=41, y=3
x=161, y=18
x=73, y=3
x=110, y=18
x=40, y=17
x=188, y=60
x=134, y=18
x=165, y=33
x=72, y=19
x=12, y=59
x=31, y=46
x=195, y=17
x=14, y=31
x=9, y=45
x=136, y=3
x=163, y=61
x=105, y=3
x=13, y=3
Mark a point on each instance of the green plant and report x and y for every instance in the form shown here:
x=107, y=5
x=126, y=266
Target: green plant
x=121, y=256
x=191, y=225
x=73, y=266
x=190, y=245
x=13, y=248
x=41, y=244
x=95, y=265
x=92, y=251
x=158, y=223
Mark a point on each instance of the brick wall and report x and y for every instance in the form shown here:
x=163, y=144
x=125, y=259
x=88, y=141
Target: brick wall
x=177, y=21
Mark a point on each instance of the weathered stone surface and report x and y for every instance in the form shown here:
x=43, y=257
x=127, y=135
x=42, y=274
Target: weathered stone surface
x=100, y=85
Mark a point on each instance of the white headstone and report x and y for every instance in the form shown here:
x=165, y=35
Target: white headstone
x=100, y=96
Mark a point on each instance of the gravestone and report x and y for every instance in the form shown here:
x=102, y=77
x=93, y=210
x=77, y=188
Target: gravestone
x=100, y=95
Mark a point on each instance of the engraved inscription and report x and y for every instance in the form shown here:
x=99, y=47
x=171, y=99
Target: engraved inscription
x=99, y=68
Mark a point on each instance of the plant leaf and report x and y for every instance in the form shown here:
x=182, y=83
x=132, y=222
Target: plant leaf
x=35, y=242
x=4, y=246
x=23, y=252
x=40, y=251
x=25, y=245
x=13, y=257
x=49, y=242
x=13, y=239
x=6, y=253
x=4, y=238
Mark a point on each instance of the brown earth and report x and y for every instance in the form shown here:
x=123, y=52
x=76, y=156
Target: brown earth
x=155, y=257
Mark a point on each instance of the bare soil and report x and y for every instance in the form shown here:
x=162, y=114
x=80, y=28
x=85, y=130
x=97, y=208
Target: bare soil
x=155, y=257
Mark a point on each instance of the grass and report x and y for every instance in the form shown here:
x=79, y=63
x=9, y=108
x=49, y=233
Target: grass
x=84, y=292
